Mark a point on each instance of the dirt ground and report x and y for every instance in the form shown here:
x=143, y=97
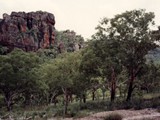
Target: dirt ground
x=149, y=114
x=144, y=114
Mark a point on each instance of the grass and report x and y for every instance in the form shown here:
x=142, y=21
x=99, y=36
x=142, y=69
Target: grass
x=151, y=95
x=121, y=104
x=84, y=109
x=113, y=116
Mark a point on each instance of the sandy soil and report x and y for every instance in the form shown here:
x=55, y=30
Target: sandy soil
x=149, y=114
x=131, y=114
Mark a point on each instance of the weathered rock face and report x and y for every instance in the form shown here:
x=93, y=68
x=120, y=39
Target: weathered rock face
x=28, y=31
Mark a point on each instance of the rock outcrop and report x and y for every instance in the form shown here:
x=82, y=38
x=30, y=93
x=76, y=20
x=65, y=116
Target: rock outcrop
x=28, y=31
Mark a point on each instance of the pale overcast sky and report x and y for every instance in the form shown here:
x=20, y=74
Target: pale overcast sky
x=82, y=16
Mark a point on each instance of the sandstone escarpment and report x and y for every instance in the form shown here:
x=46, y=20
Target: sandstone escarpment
x=28, y=31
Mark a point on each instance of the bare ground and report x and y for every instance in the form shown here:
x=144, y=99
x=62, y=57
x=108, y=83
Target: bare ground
x=144, y=114
x=149, y=114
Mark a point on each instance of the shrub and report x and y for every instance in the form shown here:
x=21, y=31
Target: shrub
x=113, y=116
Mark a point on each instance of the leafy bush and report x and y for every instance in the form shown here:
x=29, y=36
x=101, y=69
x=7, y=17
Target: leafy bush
x=73, y=110
x=95, y=105
x=113, y=116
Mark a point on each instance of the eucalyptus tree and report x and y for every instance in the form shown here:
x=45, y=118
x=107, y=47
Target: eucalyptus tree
x=131, y=30
x=90, y=68
x=134, y=31
x=61, y=73
x=100, y=60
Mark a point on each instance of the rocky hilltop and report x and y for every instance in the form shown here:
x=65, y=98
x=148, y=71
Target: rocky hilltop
x=28, y=31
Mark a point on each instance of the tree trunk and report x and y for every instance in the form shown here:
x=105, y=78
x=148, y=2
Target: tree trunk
x=70, y=98
x=52, y=97
x=112, y=94
x=120, y=91
x=84, y=98
x=27, y=100
x=93, y=94
x=65, y=100
x=103, y=89
x=8, y=101
x=130, y=88
x=80, y=100
x=113, y=85
x=103, y=94
x=8, y=105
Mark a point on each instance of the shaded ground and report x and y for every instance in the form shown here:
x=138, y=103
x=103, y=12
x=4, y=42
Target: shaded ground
x=127, y=114
x=149, y=114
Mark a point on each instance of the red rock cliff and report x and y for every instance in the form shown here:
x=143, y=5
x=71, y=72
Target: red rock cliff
x=28, y=31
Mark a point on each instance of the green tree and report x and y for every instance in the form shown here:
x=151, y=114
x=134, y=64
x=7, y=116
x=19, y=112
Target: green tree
x=60, y=74
x=150, y=77
x=101, y=59
x=90, y=68
x=3, y=50
x=16, y=74
x=68, y=41
x=132, y=31
x=47, y=54
x=123, y=41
